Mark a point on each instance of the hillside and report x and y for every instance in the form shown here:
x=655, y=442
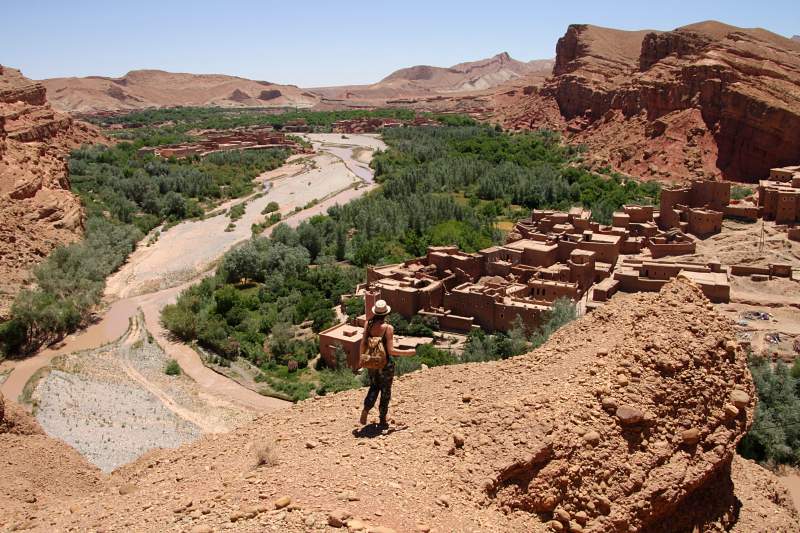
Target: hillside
x=626, y=420
x=707, y=99
x=37, y=210
x=424, y=80
x=140, y=89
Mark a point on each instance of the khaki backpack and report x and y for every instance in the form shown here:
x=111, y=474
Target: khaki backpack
x=374, y=356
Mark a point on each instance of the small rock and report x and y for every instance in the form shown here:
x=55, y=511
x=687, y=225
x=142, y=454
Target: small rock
x=356, y=525
x=310, y=444
x=458, y=440
x=628, y=415
x=690, y=436
x=555, y=525
x=424, y=528
x=338, y=517
x=282, y=502
x=731, y=411
x=581, y=517
x=592, y=437
x=562, y=515
x=127, y=488
x=740, y=398
x=575, y=527
x=609, y=404
x=444, y=501
x=202, y=528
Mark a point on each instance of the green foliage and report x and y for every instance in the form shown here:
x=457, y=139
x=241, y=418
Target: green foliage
x=774, y=437
x=282, y=291
x=145, y=190
x=562, y=313
x=340, y=378
x=151, y=124
x=270, y=208
x=172, y=368
x=739, y=192
x=236, y=212
x=354, y=307
x=431, y=356
x=534, y=170
x=68, y=284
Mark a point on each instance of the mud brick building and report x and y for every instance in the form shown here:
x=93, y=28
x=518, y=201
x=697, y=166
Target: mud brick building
x=779, y=196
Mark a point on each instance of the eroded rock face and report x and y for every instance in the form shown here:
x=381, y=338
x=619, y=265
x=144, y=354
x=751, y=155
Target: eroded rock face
x=37, y=210
x=704, y=100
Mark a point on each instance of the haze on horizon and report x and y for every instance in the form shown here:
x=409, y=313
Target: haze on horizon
x=312, y=45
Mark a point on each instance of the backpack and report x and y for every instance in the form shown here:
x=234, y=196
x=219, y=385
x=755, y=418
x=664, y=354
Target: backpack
x=374, y=356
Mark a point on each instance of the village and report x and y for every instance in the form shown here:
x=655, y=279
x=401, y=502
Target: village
x=553, y=255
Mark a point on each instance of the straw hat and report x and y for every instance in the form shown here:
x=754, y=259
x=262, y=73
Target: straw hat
x=381, y=308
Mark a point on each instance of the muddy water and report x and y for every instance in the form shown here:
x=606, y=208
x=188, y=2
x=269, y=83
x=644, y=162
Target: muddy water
x=111, y=326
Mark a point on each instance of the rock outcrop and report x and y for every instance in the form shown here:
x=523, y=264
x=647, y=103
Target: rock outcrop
x=704, y=100
x=37, y=210
x=626, y=420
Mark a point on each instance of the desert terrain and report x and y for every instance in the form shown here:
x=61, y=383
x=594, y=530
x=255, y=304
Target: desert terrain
x=556, y=452
x=627, y=418
x=129, y=347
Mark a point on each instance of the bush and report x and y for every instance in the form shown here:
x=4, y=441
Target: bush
x=172, y=368
x=270, y=207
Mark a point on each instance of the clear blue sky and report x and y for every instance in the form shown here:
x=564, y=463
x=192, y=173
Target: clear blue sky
x=313, y=43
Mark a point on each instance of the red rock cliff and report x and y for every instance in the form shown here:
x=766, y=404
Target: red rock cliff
x=706, y=99
x=37, y=210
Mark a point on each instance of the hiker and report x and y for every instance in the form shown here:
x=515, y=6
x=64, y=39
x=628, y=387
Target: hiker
x=377, y=349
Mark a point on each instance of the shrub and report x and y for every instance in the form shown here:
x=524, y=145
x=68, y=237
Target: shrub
x=270, y=207
x=774, y=437
x=264, y=454
x=172, y=368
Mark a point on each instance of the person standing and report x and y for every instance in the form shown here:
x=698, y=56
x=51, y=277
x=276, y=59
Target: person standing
x=377, y=350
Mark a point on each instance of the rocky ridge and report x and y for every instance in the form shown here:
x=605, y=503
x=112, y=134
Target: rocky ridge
x=413, y=85
x=37, y=210
x=703, y=100
x=140, y=89
x=626, y=420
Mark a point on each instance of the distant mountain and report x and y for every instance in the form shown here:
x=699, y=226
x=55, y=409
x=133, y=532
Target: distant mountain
x=703, y=100
x=156, y=88
x=796, y=37
x=425, y=80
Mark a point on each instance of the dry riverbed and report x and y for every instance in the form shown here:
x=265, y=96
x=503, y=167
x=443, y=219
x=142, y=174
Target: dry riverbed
x=115, y=403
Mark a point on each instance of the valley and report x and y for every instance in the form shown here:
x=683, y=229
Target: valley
x=583, y=270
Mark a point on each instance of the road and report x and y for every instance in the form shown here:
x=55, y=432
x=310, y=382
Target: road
x=154, y=275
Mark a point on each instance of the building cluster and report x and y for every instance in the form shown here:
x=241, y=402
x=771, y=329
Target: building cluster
x=553, y=255
x=254, y=138
x=375, y=125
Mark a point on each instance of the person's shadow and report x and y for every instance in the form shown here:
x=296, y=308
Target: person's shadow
x=370, y=431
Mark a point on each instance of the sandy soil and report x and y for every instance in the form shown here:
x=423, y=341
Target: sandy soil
x=742, y=243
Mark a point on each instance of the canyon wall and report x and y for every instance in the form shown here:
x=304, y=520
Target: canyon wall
x=37, y=210
x=704, y=100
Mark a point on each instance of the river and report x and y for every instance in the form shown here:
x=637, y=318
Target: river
x=154, y=274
